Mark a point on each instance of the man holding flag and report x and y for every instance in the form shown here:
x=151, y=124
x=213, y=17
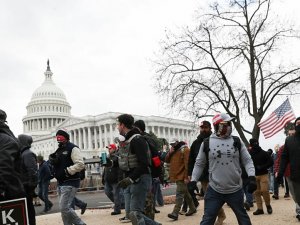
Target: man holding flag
x=277, y=120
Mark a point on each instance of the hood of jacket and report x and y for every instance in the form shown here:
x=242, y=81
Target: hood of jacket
x=25, y=141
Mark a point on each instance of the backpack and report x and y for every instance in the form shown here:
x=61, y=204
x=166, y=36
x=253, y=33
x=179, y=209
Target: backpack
x=156, y=165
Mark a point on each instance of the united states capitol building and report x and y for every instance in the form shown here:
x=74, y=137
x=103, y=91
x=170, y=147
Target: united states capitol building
x=49, y=110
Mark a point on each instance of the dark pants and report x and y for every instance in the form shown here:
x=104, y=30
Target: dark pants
x=213, y=202
x=43, y=194
x=77, y=202
x=31, y=211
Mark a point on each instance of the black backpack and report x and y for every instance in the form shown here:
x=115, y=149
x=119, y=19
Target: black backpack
x=156, y=165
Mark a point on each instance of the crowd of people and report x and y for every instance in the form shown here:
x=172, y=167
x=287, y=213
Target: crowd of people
x=137, y=167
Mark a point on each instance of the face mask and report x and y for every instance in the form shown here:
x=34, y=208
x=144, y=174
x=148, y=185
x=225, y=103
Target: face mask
x=224, y=130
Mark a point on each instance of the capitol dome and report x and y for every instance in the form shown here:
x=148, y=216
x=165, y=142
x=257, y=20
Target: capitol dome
x=47, y=108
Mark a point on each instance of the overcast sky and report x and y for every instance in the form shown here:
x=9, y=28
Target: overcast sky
x=99, y=52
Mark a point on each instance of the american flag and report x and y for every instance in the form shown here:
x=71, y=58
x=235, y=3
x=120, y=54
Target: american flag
x=277, y=120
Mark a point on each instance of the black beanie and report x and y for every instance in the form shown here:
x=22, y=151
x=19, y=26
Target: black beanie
x=63, y=133
x=140, y=124
x=296, y=121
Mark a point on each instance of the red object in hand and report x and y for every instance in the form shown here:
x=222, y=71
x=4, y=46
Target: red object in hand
x=156, y=161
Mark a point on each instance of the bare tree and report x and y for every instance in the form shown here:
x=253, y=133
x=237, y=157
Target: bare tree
x=230, y=62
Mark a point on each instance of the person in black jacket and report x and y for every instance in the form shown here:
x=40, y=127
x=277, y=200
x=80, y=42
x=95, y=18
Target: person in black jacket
x=110, y=179
x=205, y=132
x=29, y=173
x=291, y=155
x=262, y=162
x=11, y=186
x=135, y=160
x=67, y=162
x=44, y=181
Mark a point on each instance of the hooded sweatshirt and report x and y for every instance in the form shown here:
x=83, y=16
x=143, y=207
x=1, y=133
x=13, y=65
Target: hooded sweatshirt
x=224, y=164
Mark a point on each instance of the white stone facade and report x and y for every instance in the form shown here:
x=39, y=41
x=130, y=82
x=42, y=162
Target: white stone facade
x=49, y=111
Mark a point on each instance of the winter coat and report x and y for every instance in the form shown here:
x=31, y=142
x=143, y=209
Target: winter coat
x=10, y=182
x=29, y=169
x=178, y=160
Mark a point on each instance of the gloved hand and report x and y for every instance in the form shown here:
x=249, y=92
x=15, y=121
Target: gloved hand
x=192, y=186
x=67, y=173
x=125, y=182
x=279, y=178
x=252, y=184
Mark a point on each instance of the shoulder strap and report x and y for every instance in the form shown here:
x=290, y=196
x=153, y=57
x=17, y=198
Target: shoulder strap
x=237, y=143
x=206, y=148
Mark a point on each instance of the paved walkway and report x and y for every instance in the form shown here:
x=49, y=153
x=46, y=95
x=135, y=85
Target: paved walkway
x=283, y=214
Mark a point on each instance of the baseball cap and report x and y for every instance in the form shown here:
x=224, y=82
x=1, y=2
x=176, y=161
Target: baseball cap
x=111, y=146
x=173, y=141
x=205, y=123
x=221, y=117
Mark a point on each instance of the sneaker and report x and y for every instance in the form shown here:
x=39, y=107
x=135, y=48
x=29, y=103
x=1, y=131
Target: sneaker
x=269, y=209
x=258, y=212
x=115, y=213
x=83, y=209
x=173, y=216
x=191, y=212
x=125, y=220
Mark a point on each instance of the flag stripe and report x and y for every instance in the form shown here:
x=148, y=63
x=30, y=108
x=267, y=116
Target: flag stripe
x=276, y=123
x=278, y=127
x=277, y=119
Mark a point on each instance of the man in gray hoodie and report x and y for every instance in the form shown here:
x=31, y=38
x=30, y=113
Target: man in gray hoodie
x=224, y=158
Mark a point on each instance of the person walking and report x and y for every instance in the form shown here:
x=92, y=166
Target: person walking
x=224, y=155
x=67, y=162
x=262, y=161
x=134, y=160
x=11, y=186
x=29, y=173
x=178, y=157
x=44, y=182
x=291, y=156
x=111, y=176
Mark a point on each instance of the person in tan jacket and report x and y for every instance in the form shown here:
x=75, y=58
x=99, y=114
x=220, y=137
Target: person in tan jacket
x=178, y=157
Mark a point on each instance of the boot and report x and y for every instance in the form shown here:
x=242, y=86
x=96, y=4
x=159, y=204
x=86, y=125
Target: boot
x=269, y=209
x=258, y=212
x=173, y=216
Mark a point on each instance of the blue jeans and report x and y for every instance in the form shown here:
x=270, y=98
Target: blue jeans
x=43, y=194
x=66, y=198
x=127, y=197
x=157, y=195
x=115, y=194
x=249, y=196
x=138, y=192
x=213, y=202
